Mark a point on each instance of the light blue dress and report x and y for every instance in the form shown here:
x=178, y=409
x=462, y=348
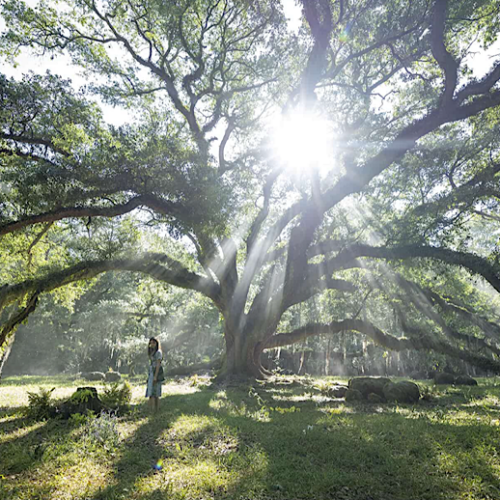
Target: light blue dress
x=153, y=390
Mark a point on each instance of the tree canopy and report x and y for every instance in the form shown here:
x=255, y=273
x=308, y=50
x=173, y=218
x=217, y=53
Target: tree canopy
x=402, y=220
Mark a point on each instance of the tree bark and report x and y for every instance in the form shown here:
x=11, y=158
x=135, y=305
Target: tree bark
x=243, y=355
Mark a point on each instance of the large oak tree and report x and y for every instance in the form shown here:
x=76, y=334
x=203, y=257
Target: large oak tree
x=412, y=191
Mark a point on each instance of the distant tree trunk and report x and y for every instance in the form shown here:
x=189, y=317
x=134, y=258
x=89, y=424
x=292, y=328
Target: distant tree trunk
x=6, y=350
x=327, y=357
x=302, y=357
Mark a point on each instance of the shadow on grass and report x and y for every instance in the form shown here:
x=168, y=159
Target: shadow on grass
x=361, y=455
x=25, y=451
x=9, y=411
x=379, y=455
x=328, y=451
x=142, y=450
x=9, y=424
x=30, y=439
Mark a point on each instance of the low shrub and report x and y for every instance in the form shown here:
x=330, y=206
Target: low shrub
x=40, y=406
x=116, y=395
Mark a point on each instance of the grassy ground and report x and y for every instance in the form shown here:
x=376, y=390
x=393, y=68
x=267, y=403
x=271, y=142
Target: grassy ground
x=281, y=440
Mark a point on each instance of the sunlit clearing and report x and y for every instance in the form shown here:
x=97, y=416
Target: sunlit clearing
x=303, y=141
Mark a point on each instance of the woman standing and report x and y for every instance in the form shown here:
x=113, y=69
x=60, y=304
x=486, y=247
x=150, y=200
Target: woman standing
x=153, y=390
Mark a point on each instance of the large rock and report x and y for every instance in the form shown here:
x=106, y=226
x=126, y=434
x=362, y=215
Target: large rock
x=402, y=392
x=369, y=385
x=112, y=377
x=353, y=395
x=337, y=391
x=465, y=380
x=444, y=378
x=375, y=398
x=93, y=376
x=83, y=400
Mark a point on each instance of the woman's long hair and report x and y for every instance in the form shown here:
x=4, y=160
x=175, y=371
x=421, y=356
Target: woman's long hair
x=153, y=350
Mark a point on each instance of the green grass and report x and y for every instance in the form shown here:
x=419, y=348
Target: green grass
x=276, y=440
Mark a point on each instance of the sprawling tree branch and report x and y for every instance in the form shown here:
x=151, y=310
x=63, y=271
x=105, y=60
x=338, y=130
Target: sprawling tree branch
x=445, y=60
x=490, y=329
x=73, y=212
x=264, y=211
x=478, y=265
x=482, y=185
x=32, y=140
x=354, y=181
x=159, y=266
x=18, y=317
x=425, y=300
x=418, y=341
x=157, y=71
x=318, y=14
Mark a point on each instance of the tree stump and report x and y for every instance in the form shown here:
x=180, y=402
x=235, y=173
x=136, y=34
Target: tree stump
x=83, y=400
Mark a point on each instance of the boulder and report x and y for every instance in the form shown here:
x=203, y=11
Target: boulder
x=93, y=376
x=369, y=385
x=402, y=392
x=465, y=380
x=83, y=400
x=337, y=391
x=375, y=398
x=112, y=377
x=444, y=378
x=353, y=395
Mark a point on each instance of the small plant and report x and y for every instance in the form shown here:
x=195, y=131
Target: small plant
x=117, y=395
x=282, y=411
x=78, y=419
x=39, y=404
x=103, y=431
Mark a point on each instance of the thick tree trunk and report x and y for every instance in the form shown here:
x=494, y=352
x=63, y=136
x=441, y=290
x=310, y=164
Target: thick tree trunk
x=244, y=363
x=243, y=356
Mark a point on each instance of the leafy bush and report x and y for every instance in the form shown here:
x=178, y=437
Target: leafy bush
x=40, y=406
x=117, y=395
